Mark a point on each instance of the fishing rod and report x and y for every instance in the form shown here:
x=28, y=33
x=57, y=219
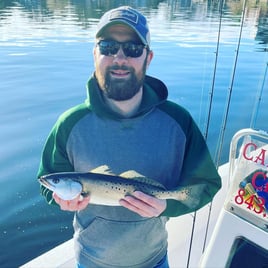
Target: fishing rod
x=211, y=93
x=226, y=114
x=207, y=124
x=258, y=100
x=225, y=118
x=209, y=112
x=230, y=91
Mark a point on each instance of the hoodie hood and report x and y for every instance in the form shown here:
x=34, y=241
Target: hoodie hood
x=154, y=93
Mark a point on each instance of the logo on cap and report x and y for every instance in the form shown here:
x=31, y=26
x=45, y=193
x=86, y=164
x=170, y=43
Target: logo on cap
x=125, y=15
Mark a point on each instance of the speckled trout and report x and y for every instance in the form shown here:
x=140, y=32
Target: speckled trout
x=108, y=189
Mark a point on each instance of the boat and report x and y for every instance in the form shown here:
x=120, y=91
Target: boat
x=240, y=237
x=230, y=232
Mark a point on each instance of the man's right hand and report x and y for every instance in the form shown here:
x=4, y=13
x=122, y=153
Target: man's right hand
x=72, y=205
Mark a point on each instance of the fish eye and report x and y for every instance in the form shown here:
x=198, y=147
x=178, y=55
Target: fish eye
x=55, y=180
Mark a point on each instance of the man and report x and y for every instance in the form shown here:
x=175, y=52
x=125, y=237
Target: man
x=127, y=123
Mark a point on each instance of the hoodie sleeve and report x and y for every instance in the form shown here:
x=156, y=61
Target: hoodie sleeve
x=198, y=167
x=54, y=156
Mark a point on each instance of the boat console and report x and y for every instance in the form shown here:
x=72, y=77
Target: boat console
x=240, y=237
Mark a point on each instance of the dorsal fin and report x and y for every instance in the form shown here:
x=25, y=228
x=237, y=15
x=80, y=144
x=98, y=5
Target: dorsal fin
x=104, y=169
x=134, y=175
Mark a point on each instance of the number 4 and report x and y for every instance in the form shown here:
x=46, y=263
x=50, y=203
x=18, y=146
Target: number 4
x=250, y=202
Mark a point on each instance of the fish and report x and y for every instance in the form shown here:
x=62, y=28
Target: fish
x=107, y=189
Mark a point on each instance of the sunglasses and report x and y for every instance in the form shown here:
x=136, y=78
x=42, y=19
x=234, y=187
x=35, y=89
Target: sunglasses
x=130, y=48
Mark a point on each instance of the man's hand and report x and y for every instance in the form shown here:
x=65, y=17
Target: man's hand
x=72, y=205
x=143, y=204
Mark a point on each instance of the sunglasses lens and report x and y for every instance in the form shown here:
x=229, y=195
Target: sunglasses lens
x=108, y=48
x=130, y=49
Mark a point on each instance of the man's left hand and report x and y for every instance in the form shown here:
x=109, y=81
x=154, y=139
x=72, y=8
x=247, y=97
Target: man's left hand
x=143, y=204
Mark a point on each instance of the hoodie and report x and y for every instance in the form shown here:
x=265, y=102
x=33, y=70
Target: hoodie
x=161, y=141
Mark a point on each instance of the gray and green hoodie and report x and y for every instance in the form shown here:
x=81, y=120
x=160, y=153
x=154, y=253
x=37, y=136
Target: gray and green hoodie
x=161, y=141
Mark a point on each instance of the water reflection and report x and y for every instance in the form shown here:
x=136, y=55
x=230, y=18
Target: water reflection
x=262, y=30
x=45, y=48
x=85, y=13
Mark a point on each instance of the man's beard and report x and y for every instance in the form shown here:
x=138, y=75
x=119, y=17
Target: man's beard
x=123, y=89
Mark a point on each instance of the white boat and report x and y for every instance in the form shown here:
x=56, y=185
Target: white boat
x=240, y=237
x=231, y=232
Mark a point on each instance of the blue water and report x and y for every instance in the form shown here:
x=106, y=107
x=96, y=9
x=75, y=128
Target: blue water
x=46, y=59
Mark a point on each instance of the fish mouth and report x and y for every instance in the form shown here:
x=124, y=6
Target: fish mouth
x=45, y=183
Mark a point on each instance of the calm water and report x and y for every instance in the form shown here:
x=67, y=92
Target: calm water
x=46, y=59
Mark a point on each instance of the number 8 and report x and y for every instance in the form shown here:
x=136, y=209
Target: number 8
x=239, y=198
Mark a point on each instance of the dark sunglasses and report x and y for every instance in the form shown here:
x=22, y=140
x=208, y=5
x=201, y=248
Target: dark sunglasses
x=130, y=48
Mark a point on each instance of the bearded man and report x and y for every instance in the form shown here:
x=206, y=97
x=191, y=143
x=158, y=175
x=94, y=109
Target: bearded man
x=127, y=123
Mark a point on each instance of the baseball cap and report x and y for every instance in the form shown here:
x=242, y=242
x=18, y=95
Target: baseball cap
x=128, y=16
